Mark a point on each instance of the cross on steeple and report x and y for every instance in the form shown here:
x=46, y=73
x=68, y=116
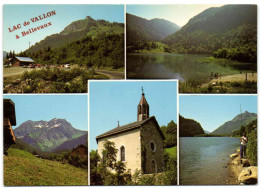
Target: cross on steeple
x=143, y=108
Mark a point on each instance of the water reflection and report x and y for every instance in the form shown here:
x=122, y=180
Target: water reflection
x=182, y=67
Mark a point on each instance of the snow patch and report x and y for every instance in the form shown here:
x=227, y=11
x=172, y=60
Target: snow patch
x=38, y=126
x=56, y=125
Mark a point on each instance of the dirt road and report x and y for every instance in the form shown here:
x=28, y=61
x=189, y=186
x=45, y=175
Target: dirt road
x=16, y=71
x=112, y=74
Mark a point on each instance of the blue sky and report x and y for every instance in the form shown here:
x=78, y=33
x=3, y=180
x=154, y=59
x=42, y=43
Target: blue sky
x=65, y=14
x=178, y=14
x=117, y=101
x=211, y=111
x=73, y=108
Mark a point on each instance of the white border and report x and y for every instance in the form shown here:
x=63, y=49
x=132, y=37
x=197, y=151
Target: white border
x=121, y=2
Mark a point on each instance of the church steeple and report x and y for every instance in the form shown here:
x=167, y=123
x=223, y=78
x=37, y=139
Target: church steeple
x=143, y=108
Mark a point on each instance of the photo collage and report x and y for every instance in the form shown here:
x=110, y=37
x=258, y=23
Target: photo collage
x=125, y=94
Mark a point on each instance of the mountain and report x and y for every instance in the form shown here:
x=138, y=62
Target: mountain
x=206, y=132
x=46, y=135
x=231, y=29
x=189, y=127
x=139, y=29
x=73, y=143
x=235, y=124
x=78, y=30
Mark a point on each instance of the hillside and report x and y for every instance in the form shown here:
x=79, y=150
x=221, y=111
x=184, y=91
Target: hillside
x=139, y=29
x=21, y=145
x=78, y=30
x=235, y=124
x=86, y=43
x=189, y=127
x=73, y=143
x=46, y=135
x=23, y=169
x=226, y=32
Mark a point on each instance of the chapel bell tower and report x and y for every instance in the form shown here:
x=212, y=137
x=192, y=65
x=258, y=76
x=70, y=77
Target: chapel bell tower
x=142, y=108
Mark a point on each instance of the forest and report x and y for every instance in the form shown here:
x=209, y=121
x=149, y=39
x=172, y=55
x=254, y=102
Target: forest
x=102, y=52
x=189, y=127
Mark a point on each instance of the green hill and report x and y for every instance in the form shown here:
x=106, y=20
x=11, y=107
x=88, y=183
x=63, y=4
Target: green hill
x=226, y=32
x=86, y=42
x=78, y=30
x=189, y=127
x=73, y=143
x=235, y=124
x=24, y=169
x=139, y=29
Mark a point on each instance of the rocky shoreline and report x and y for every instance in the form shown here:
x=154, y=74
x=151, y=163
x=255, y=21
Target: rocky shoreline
x=241, y=172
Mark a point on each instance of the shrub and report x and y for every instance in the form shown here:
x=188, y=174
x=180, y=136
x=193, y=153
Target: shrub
x=252, y=147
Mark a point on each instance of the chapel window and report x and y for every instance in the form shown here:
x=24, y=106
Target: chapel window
x=153, y=146
x=122, y=153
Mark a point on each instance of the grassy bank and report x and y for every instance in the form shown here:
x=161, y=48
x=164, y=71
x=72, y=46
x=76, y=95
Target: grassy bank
x=23, y=169
x=172, y=151
x=219, y=87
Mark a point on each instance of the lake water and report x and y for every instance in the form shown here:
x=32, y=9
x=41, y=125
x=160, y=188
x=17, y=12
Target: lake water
x=182, y=67
x=203, y=160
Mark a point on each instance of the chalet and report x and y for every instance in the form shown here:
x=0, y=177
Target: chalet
x=21, y=61
x=139, y=144
x=9, y=120
x=81, y=150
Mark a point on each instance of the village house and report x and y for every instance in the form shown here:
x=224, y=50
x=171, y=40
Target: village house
x=139, y=144
x=21, y=61
x=9, y=120
x=81, y=150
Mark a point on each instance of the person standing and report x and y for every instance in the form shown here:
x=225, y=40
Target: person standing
x=243, y=142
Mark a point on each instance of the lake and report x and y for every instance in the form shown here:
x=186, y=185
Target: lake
x=203, y=160
x=180, y=66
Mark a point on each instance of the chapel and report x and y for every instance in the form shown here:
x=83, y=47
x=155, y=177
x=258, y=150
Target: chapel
x=139, y=144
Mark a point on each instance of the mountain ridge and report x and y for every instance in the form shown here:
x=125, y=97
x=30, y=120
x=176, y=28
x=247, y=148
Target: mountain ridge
x=228, y=32
x=234, y=124
x=140, y=29
x=46, y=135
x=78, y=30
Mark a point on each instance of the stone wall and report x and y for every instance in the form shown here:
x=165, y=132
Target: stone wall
x=132, y=143
x=150, y=134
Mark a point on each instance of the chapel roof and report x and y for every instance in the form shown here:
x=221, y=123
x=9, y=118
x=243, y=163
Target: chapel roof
x=128, y=127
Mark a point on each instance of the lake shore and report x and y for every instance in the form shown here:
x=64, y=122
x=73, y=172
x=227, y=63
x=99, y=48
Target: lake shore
x=240, y=171
x=232, y=78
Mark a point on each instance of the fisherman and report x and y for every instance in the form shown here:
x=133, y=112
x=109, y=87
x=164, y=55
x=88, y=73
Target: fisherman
x=243, y=142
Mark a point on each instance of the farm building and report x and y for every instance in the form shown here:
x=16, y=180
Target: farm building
x=9, y=120
x=21, y=61
x=81, y=150
x=139, y=144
